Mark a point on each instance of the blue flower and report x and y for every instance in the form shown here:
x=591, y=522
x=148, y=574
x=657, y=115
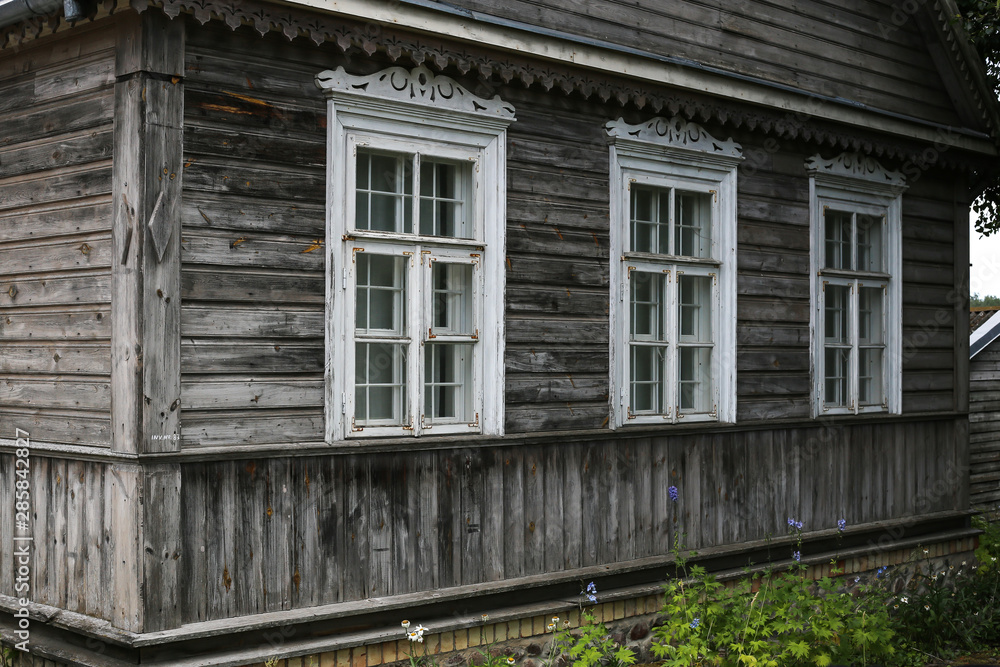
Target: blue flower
x=841, y=524
x=591, y=592
x=695, y=623
x=792, y=523
x=797, y=555
x=881, y=571
x=672, y=490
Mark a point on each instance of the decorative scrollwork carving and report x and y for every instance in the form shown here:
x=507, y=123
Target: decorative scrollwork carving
x=855, y=165
x=675, y=132
x=416, y=86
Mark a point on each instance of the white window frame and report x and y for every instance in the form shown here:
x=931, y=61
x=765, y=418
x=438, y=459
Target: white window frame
x=677, y=154
x=415, y=112
x=860, y=185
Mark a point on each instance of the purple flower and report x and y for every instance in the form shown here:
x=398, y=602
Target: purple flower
x=672, y=491
x=591, y=592
x=841, y=524
x=797, y=555
x=695, y=623
x=792, y=523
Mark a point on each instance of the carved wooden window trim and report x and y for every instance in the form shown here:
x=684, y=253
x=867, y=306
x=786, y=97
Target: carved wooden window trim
x=414, y=119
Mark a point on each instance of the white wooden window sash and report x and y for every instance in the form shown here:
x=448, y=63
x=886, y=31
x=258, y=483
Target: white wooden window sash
x=666, y=379
x=438, y=321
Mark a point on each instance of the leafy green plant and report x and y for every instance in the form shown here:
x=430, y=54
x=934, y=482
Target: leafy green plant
x=771, y=619
x=490, y=658
x=590, y=645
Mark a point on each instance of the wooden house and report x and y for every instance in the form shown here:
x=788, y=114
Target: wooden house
x=318, y=315
x=984, y=410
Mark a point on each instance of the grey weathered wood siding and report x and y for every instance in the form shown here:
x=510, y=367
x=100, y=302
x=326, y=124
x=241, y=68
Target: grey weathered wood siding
x=269, y=534
x=56, y=112
x=984, y=427
x=868, y=51
x=71, y=563
x=252, y=317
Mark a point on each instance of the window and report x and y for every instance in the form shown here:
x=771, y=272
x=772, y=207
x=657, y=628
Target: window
x=856, y=316
x=673, y=226
x=415, y=221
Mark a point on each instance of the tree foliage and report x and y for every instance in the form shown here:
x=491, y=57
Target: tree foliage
x=981, y=20
x=985, y=300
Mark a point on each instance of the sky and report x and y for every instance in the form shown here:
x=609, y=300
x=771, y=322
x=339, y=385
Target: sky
x=984, y=253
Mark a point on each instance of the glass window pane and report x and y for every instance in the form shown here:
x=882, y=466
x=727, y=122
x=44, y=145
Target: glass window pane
x=837, y=313
x=384, y=185
x=693, y=224
x=869, y=242
x=451, y=299
x=380, y=384
x=838, y=239
x=647, y=305
x=870, y=319
x=837, y=362
x=870, y=376
x=695, y=309
x=648, y=220
x=448, y=383
x=695, y=379
x=445, y=198
x=380, y=294
x=647, y=371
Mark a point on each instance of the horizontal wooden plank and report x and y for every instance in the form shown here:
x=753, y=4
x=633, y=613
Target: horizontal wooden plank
x=556, y=330
x=568, y=271
x=571, y=302
x=927, y=401
x=774, y=286
x=212, y=356
x=548, y=240
x=564, y=215
x=784, y=310
x=88, y=288
x=25, y=392
x=772, y=384
x=255, y=112
x=561, y=388
x=218, y=211
x=71, y=80
x=558, y=184
x=71, y=428
x=250, y=179
x=248, y=428
x=560, y=416
x=761, y=409
x=555, y=360
x=226, y=142
x=259, y=287
x=559, y=154
x=200, y=393
x=89, y=252
x=261, y=322
x=772, y=360
x=83, y=324
x=62, y=358
x=771, y=233
x=786, y=336
x=61, y=117
x=92, y=146
x=928, y=381
x=57, y=185
x=251, y=67
x=776, y=261
x=84, y=216
x=252, y=250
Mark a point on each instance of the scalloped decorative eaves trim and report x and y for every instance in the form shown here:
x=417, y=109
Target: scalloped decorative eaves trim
x=417, y=86
x=855, y=166
x=675, y=132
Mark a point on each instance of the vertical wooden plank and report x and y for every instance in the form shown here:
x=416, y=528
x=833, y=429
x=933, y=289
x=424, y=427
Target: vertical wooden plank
x=471, y=527
x=195, y=510
x=329, y=499
x=787, y=448
x=594, y=504
x=250, y=520
x=380, y=527
x=57, y=532
x=449, y=519
x=642, y=505
x=280, y=567
x=76, y=544
x=572, y=463
x=41, y=530
x=122, y=497
x=692, y=453
x=356, y=527
x=514, y=517
x=622, y=479
x=961, y=464
x=660, y=504
x=404, y=517
x=493, y=514
x=552, y=488
x=610, y=496
x=534, y=512
x=960, y=303
x=217, y=569
x=425, y=495
x=162, y=543
x=7, y=491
